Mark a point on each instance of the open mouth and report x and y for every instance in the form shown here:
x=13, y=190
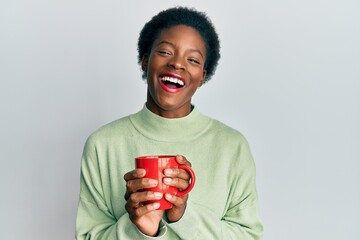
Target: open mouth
x=171, y=82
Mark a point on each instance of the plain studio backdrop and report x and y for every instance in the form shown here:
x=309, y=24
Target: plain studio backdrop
x=288, y=79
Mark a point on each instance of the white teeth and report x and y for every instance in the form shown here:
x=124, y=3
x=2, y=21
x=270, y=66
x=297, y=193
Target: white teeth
x=173, y=80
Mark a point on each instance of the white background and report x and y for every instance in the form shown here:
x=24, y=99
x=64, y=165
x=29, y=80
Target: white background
x=288, y=79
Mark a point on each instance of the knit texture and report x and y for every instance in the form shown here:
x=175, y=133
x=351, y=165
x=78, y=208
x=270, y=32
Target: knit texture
x=222, y=205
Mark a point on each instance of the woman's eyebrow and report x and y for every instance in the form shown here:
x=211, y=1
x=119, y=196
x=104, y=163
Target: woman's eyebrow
x=198, y=51
x=173, y=45
x=166, y=42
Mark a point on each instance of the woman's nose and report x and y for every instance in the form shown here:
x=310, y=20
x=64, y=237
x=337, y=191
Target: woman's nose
x=176, y=63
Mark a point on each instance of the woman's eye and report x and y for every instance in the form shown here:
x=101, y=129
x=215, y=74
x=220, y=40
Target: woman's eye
x=164, y=52
x=194, y=61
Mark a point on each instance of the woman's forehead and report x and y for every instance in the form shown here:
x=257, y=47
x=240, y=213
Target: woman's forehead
x=181, y=34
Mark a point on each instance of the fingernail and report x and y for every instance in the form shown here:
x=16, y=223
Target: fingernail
x=168, y=196
x=141, y=172
x=167, y=180
x=156, y=205
x=152, y=182
x=168, y=171
x=158, y=195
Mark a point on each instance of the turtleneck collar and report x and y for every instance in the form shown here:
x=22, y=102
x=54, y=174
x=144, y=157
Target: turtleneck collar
x=170, y=129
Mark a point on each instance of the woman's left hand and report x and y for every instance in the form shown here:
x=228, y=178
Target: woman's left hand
x=178, y=178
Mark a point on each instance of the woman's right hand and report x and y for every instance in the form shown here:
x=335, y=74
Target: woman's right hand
x=145, y=217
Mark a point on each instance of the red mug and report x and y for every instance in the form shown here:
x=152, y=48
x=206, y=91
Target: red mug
x=154, y=167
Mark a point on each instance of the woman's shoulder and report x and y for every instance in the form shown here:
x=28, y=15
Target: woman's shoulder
x=114, y=128
x=227, y=132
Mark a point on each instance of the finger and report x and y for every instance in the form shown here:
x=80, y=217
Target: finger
x=136, y=173
x=177, y=172
x=135, y=199
x=127, y=195
x=177, y=201
x=140, y=209
x=182, y=160
x=179, y=183
x=140, y=183
x=138, y=197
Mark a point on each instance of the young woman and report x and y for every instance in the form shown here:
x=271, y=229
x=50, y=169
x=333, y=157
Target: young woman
x=178, y=53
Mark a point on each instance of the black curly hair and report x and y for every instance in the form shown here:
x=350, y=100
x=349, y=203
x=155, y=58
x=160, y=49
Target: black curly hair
x=182, y=16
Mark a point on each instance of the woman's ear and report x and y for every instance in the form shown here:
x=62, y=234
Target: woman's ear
x=202, y=81
x=144, y=62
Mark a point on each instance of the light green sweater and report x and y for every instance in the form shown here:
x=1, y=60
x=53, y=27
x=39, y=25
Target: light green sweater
x=222, y=205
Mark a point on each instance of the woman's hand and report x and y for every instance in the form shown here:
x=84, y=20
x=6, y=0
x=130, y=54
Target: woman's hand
x=178, y=178
x=145, y=217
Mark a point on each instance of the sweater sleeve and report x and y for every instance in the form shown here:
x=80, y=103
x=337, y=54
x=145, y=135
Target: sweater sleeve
x=237, y=224
x=240, y=219
x=94, y=223
x=95, y=219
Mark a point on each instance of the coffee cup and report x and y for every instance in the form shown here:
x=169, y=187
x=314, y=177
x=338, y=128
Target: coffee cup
x=154, y=167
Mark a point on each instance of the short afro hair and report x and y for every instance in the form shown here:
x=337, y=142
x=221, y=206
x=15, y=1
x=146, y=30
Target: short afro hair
x=182, y=16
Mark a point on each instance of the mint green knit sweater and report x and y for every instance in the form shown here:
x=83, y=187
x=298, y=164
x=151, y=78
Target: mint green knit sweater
x=222, y=205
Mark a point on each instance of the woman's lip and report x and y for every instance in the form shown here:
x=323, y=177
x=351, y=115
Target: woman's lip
x=167, y=89
x=174, y=75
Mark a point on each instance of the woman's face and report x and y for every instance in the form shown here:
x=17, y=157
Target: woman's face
x=174, y=70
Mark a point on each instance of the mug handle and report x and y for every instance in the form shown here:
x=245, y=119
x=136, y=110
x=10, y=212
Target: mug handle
x=192, y=175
